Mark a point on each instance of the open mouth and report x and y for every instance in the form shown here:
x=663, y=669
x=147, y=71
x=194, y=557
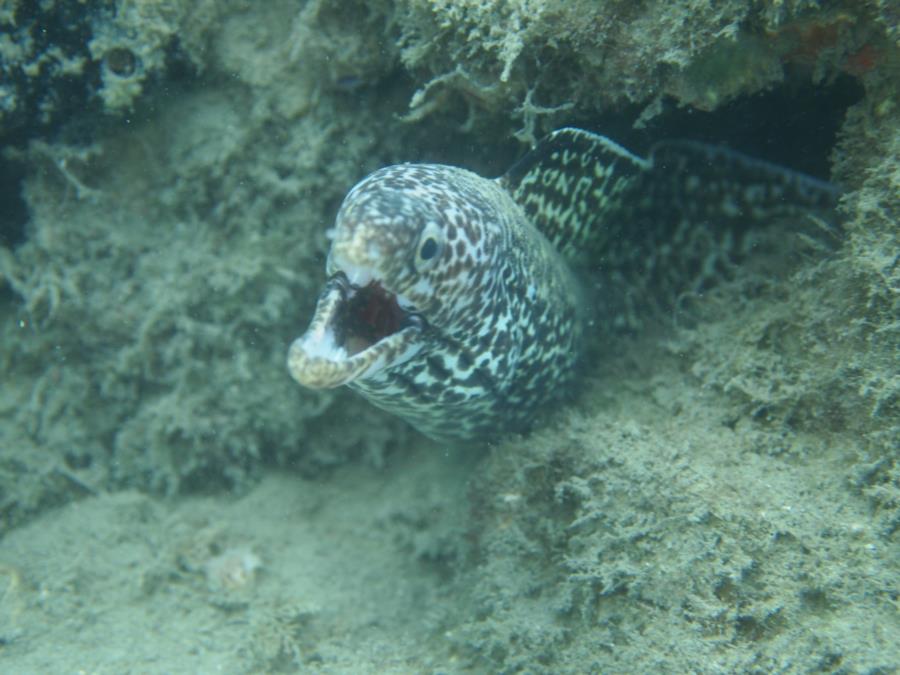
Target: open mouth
x=369, y=315
x=356, y=331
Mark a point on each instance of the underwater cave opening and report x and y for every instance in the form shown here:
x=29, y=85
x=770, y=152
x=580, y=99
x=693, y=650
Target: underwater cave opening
x=14, y=214
x=794, y=124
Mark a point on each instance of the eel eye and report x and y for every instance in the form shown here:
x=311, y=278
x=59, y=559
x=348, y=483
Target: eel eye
x=428, y=249
x=431, y=242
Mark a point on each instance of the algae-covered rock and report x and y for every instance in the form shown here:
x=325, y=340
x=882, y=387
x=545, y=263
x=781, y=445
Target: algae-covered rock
x=61, y=60
x=533, y=63
x=168, y=265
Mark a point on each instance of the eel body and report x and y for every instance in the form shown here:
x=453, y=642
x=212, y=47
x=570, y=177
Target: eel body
x=451, y=299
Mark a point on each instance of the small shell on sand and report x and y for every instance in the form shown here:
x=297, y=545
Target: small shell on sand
x=233, y=569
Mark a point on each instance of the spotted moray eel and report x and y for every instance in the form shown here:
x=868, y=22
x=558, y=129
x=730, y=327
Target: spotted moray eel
x=451, y=299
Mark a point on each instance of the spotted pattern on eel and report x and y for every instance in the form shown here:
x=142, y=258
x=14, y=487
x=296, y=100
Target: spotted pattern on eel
x=451, y=299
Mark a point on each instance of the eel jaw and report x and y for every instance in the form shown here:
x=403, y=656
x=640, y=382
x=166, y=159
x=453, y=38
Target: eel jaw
x=356, y=331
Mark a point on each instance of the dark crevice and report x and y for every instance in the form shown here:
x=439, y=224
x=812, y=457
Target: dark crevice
x=794, y=124
x=14, y=214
